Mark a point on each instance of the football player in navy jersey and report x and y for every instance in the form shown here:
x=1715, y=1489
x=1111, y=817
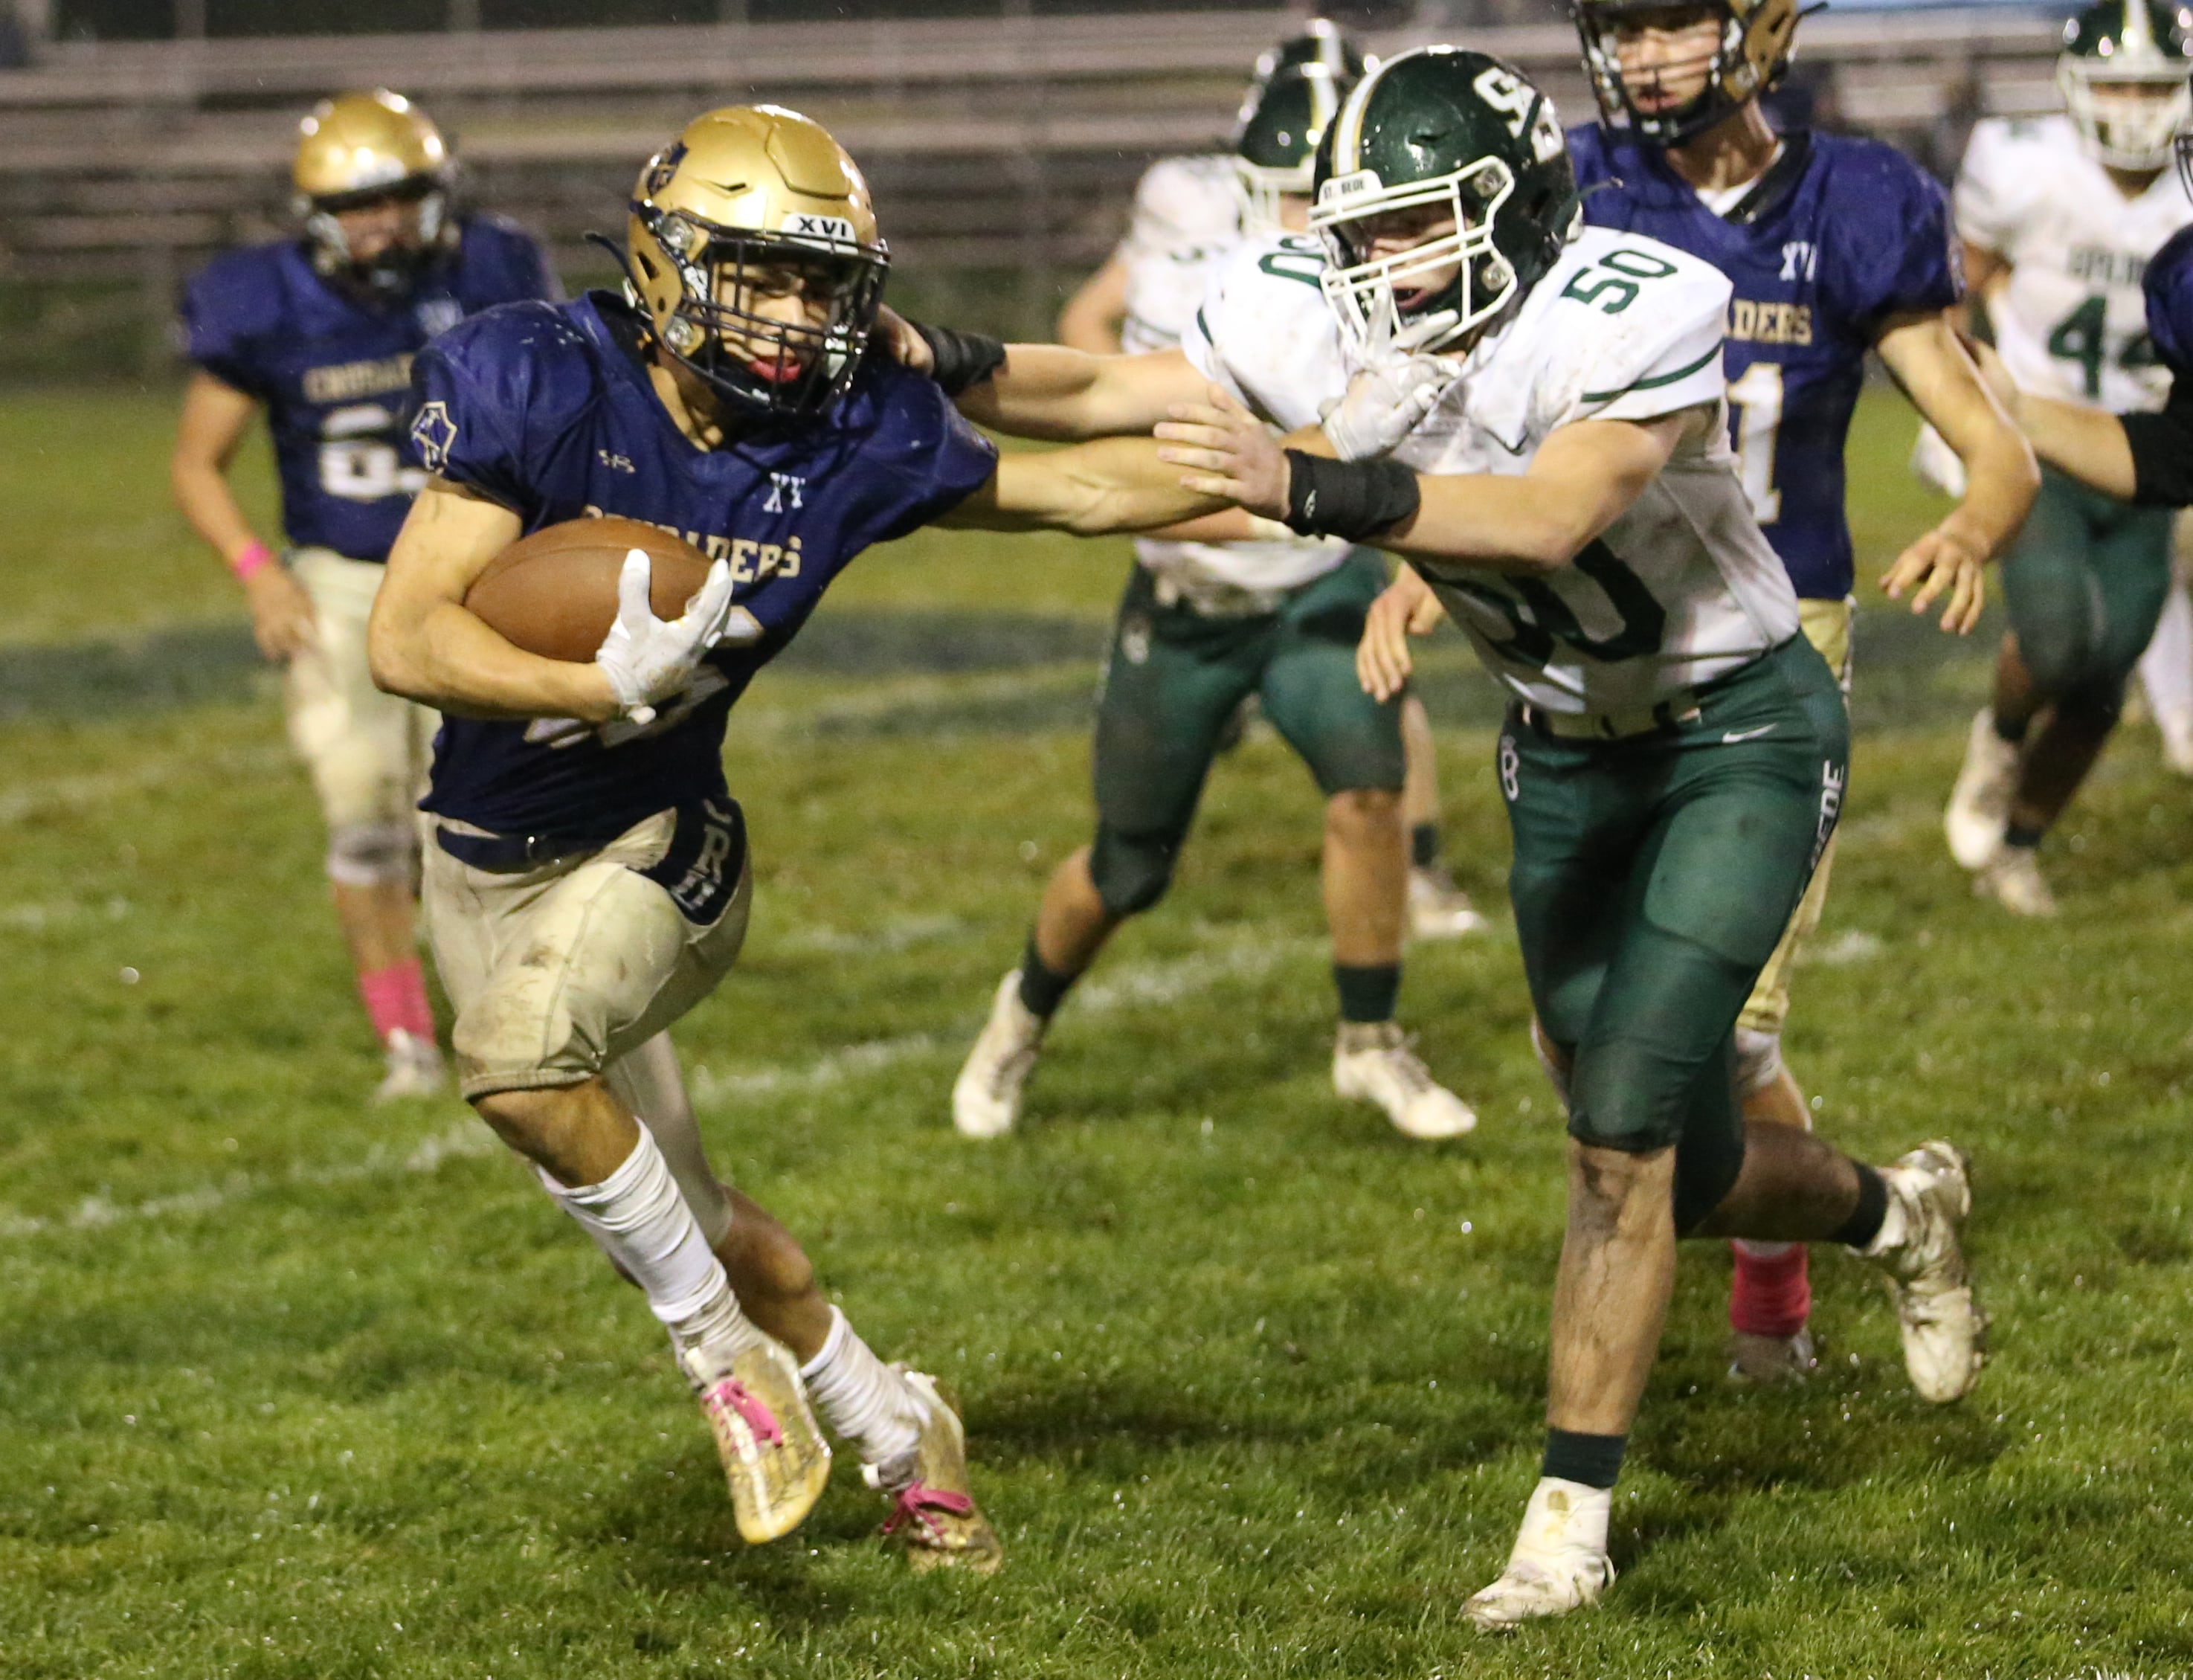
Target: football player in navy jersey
x=319, y=332
x=587, y=880
x=1836, y=246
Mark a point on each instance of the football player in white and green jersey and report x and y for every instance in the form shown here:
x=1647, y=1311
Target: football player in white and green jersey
x=1203, y=627
x=1675, y=752
x=1190, y=215
x=2059, y=216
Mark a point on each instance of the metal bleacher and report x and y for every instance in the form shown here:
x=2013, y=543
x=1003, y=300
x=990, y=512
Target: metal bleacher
x=1002, y=150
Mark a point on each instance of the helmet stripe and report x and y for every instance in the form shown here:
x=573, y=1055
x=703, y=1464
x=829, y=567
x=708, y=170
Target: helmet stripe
x=1347, y=141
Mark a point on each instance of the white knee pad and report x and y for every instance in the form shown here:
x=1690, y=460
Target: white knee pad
x=1556, y=1075
x=372, y=854
x=1758, y=1060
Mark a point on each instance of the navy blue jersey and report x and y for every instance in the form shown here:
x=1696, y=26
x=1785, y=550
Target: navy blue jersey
x=333, y=370
x=1858, y=233
x=548, y=411
x=2168, y=285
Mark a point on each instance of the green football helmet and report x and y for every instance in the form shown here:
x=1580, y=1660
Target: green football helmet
x=1276, y=140
x=2122, y=74
x=1322, y=42
x=1440, y=129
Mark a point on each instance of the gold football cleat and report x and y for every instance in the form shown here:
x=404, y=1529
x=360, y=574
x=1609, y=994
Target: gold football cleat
x=774, y=1455
x=933, y=1509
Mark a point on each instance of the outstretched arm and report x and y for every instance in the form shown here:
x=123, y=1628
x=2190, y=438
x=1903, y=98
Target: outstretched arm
x=1116, y=484
x=1050, y=392
x=1928, y=360
x=1584, y=477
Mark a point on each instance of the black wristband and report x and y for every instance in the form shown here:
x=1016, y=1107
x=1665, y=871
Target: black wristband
x=1354, y=499
x=960, y=359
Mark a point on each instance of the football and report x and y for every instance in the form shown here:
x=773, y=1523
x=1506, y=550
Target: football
x=555, y=592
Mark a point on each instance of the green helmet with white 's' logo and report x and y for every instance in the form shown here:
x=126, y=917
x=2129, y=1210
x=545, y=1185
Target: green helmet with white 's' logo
x=1437, y=134
x=2122, y=75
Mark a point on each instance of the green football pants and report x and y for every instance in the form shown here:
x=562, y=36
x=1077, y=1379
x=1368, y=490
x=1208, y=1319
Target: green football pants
x=1652, y=877
x=1174, y=680
x=2085, y=583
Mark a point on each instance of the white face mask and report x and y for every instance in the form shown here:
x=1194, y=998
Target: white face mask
x=1362, y=291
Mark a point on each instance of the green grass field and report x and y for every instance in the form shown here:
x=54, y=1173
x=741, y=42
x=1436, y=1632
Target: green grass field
x=292, y=1388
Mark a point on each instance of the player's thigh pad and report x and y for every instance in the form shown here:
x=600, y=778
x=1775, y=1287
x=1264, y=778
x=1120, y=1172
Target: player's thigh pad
x=1654, y=877
x=365, y=750
x=557, y=972
x=1173, y=681
x=1310, y=691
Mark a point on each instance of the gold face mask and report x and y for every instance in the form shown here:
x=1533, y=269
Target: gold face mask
x=753, y=246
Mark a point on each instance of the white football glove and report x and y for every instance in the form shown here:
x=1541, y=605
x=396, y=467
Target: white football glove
x=648, y=660
x=1383, y=403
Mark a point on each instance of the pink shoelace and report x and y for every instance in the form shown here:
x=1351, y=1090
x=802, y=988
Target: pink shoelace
x=915, y=1501
x=730, y=1395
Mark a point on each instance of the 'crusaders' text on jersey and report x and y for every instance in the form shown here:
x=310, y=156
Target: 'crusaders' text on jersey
x=1840, y=236
x=334, y=370
x=549, y=410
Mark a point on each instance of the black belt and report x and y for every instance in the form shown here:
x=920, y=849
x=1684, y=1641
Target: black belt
x=514, y=854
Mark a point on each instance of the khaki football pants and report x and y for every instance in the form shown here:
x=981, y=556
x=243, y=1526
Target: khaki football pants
x=1827, y=626
x=368, y=753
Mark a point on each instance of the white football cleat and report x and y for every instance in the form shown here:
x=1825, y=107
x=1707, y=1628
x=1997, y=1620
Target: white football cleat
x=1437, y=908
x=1944, y=1332
x=933, y=1509
x=2014, y=880
x=1979, y=805
x=986, y=1097
x=1373, y=1063
x=774, y=1456
x=1560, y=1562
x=1771, y=1362
x=415, y=1069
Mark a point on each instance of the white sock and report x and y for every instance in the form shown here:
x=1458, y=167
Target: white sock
x=637, y=1219
x=1561, y=1516
x=861, y=1398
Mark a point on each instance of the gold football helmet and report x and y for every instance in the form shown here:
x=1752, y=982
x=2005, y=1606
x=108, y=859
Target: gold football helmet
x=1750, y=53
x=359, y=150
x=752, y=247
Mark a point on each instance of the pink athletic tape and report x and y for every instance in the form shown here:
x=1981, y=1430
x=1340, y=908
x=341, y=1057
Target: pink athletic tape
x=251, y=559
x=396, y=997
x=1771, y=1297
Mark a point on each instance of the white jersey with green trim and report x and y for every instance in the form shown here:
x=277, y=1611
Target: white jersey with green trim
x=1682, y=588
x=1186, y=222
x=2071, y=320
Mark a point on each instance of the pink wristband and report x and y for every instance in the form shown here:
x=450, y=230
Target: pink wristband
x=257, y=555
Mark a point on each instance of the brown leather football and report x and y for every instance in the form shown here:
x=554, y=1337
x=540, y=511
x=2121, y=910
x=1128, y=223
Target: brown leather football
x=555, y=592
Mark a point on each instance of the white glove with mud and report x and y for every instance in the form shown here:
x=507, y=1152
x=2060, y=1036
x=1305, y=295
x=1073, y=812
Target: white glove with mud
x=649, y=659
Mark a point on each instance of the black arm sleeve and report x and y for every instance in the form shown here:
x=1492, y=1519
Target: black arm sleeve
x=2163, y=450
x=1358, y=500
x=961, y=360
